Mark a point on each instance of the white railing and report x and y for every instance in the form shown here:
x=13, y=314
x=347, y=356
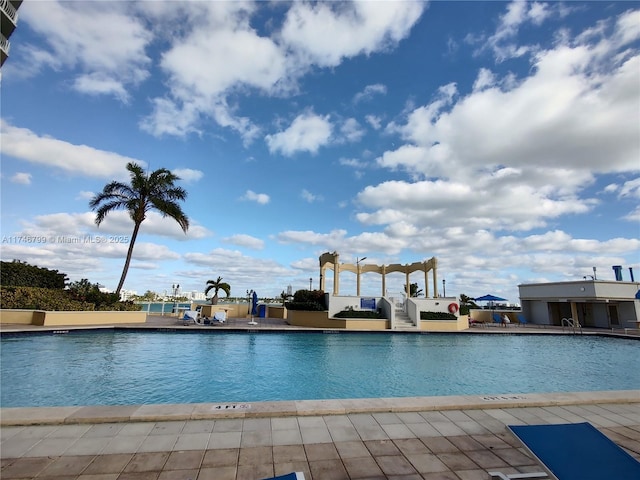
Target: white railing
x=4, y=44
x=11, y=12
x=570, y=323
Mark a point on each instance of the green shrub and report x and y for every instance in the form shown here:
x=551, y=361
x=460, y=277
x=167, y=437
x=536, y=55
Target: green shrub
x=21, y=274
x=35, y=298
x=437, y=316
x=310, y=300
x=351, y=313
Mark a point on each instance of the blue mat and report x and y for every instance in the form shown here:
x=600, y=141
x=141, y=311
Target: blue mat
x=577, y=451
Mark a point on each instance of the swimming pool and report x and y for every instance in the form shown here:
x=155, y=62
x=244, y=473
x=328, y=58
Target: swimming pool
x=131, y=367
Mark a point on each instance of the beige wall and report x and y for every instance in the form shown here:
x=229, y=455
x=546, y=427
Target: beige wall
x=42, y=318
x=461, y=323
x=277, y=312
x=301, y=318
x=234, y=310
x=21, y=317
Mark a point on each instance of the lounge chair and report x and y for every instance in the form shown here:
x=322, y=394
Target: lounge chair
x=288, y=476
x=574, y=451
x=521, y=319
x=220, y=317
x=192, y=316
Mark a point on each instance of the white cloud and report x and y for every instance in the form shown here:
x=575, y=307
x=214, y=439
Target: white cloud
x=325, y=33
x=189, y=175
x=261, y=198
x=21, y=178
x=374, y=121
x=369, y=92
x=307, y=133
x=351, y=131
x=246, y=241
x=26, y=145
x=102, y=39
x=309, y=197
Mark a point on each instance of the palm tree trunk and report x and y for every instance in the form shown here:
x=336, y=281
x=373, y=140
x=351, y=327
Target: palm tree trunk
x=134, y=235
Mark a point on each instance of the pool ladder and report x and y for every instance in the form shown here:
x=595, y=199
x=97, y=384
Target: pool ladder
x=573, y=325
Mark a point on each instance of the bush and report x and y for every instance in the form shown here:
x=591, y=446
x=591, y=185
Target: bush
x=351, y=313
x=34, y=298
x=21, y=274
x=437, y=316
x=310, y=300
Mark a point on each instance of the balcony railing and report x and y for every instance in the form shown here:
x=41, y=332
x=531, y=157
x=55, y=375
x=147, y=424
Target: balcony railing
x=11, y=12
x=4, y=45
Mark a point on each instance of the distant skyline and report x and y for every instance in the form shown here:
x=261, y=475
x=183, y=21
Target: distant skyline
x=501, y=138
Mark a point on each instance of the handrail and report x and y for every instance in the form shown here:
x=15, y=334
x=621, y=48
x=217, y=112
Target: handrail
x=570, y=323
x=10, y=10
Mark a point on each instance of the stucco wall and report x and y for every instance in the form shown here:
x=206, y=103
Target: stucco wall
x=42, y=318
x=302, y=318
x=461, y=323
x=20, y=317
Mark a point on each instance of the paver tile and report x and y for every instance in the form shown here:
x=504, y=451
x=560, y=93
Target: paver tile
x=25, y=467
x=490, y=441
x=256, y=438
x=192, y=441
x=395, y=465
x=486, y=459
x=427, y=463
x=51, y=447
x=363, y=467
x=67, y=466
x=123, y=444
x=255, y=456
x=147, y=462
x=98, y=476
x=108, y=464
x=329, y=469
x=289, y=453
x=253, y=424
x=253, y=472
x=223, y=457
x=344, y=434
x=184, y=460
x=465, y=443
x=443, y=476
x=315, y=435
x=88, y=446
x=199, y=426
x=167, y=428
x=457, y=461
x=228, y=425
x=225, y=440
x=286, y=423
x=472, y=474
x=218, y=473
x=284, y=468
x=411, y=445
x=382, y=447
x=158, y=443
x=321, y=451
x=139, y=476
x=439, y=444
x=398, y=431
x=178, y=474
x=513, y=456
x=352, y=449
x=104, y=430
x=286, y=437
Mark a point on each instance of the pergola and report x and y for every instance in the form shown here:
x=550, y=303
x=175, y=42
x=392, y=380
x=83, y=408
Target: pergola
x=330, y=260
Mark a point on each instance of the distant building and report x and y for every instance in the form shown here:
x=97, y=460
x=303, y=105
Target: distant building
x=592, y=303
x=9, y=13
x=195, y=295
x=127, y=295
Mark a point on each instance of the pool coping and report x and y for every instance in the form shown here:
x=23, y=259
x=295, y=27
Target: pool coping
x=22, y=416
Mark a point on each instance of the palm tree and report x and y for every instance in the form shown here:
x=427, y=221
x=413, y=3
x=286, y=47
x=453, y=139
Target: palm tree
x=414, y=291
x=154, y=191
x=217, y=285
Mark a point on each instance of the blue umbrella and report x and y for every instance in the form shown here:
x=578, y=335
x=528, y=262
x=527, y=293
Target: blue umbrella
x=254, y=303
x=490, y=298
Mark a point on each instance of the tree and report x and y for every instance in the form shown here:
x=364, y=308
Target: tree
x=217, y=285
x=465, y=300
x=154, y=191
x=414, y=291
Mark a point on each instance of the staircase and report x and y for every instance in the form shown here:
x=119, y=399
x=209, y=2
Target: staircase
x=402, y=321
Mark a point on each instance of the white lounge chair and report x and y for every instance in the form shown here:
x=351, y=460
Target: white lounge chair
x=192, y=316
x=220, y=317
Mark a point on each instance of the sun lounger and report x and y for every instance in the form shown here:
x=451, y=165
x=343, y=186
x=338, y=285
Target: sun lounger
x=191, y=316
x=575, y=451
x=220, y=317
x=288, y=476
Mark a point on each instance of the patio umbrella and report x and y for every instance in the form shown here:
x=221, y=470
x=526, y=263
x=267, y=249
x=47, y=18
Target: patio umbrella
x=490, y=298
x=254, y=303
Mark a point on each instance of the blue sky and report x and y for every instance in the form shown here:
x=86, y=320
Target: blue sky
x=501, y=138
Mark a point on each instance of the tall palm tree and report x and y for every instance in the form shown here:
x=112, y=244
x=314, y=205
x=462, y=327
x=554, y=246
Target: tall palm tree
x=154, y=191
x=216, y=286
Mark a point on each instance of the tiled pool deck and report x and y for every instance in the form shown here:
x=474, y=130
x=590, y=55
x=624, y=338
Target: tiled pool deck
x=461, y=437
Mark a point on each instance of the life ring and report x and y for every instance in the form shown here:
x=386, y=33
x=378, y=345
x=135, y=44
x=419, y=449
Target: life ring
x=453, y=308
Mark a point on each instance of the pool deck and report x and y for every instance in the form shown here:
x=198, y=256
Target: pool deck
x=455, y=437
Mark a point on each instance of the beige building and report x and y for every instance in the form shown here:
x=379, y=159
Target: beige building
x=9, y=13
x=592, y=303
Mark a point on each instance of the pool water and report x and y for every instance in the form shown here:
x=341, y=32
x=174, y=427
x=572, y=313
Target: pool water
x=120, y=367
